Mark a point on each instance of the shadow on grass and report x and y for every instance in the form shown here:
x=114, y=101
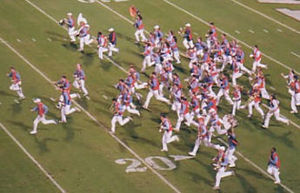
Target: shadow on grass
x=42, y=144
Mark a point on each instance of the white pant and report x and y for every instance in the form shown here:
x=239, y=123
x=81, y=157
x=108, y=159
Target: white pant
x=168, y=138
x=220, y=131
x=226, y=94
x=66, y=110
x=192, y=61
x=138, y=33
x=120, y=120
x=131, y=110
x=140, y=86
x=231, y=158
x=176, y=107
x=176, y=56
x=257, y=107
x=205, y=141
x=273, y=170
x=257, y=64
x=157, y=96
x=277, y=116
x=226, y=60
x=80, y=84
x=188, y=118
x=295, y=101
x=264, y=93
x=235, y=76
x=43, y=120
x=147, y=62
x=236, y=106
x=84, y=41
x=101, y=50
x=72, y=32
x=111, y=48
x=221, y=174
x=17, y=87
x=188, y=44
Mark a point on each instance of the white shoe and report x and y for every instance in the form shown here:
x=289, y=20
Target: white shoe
x=216, y=188
x=293, y=112
x=139, y=114
x=130, y=118
x=62, y=121
x=33, y=132
x=192, y=154
x=164, y=150
x=277, y=182
x=177, y=139
x=78, y=95
x=232, y=165
x=249, y=116
x=264, y=127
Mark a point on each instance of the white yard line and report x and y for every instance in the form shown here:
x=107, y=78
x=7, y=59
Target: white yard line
x=297, y=55
x=251, y=31
x=86, y=112
x=32, y=158
x=229, y=35
x=266, y=16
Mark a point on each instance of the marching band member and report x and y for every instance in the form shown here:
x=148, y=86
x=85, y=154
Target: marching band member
x=154, y=90
x=147, y=57
x=79, y=81
x=274, y=165
x=256, y=55
x=295, y=92
x=84, y=35
x=166, y=126
x=274, y=110
x=232, y=142
x=66, y=106
x=176, y=93
x=70, y=23
x=222, y=173
x=118, y=109
x=237, y=99
x=16, y=82
x=224, y=89
x=102, y=45
x=139, y=29
x=112, y=42
x=184, y=114
x=187, y=37
x=42, y=110
x=255, y=100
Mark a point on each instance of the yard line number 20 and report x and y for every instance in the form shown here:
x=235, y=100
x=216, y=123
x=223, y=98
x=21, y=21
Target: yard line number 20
x=135, y=165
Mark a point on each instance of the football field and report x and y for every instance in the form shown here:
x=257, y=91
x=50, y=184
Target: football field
x=82, y=156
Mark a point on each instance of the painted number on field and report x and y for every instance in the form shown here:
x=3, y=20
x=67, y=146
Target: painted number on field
x=104, y=1
x=135, y=165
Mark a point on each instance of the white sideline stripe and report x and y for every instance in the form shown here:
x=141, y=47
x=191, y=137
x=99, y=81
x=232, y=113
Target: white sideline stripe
x=86, y=112
x=291, y=122
x=257, y=167
x=32, y=158
x=251, y=31
x=236, y=31
x=266, y=16
x=297, y=55
x=229, y=35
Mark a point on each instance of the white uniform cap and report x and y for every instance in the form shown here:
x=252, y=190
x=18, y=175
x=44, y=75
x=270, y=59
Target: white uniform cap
x=188, y=25
x=111, y=29
x=37, y=100
x=156, y=27
x=69, y=14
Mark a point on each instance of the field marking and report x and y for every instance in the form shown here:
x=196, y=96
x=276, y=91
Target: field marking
x=124, y=145
x=236, y=31
x=266, y=16
x=18, y=40
x=32, y=158
x=251, y=31
x=49, y=39
x=256, y=166
x=297, y=55
x=266, y=31
x=34, y=40
x=229, y=35
x=86, y=112
x=279, y=30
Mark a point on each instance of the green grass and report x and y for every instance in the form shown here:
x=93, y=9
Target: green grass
x=81, y=155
